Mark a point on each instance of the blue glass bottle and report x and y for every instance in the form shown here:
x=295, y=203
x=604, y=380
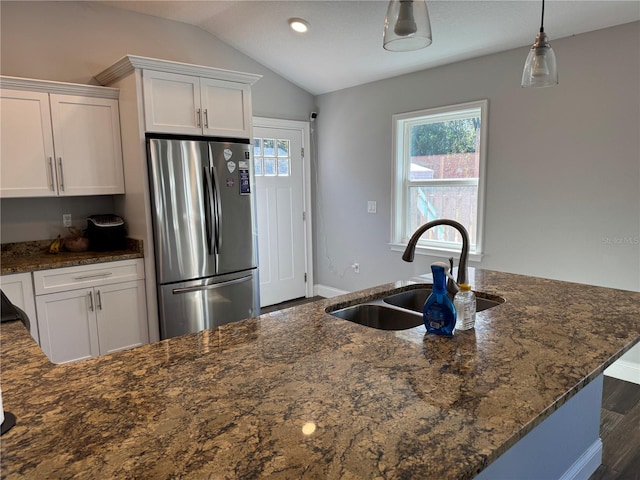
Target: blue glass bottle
x=439, y=314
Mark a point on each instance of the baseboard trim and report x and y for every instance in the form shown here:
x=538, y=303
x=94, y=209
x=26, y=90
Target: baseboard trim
x=328, y=292
x=623, y=370
x=586, y=464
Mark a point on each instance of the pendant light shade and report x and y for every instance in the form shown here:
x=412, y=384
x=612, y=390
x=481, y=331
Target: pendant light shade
x=407, y=26
x=540, y=69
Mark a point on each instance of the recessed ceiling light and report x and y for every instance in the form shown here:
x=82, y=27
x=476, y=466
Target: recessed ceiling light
x=299, y=25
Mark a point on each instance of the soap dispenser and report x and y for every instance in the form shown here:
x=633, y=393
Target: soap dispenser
x=439, y=314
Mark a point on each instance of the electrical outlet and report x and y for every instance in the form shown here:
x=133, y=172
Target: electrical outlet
x=371, y=206
x=356, y=267
x=66, y=219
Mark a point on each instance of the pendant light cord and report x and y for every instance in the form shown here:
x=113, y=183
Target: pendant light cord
x=542, y=19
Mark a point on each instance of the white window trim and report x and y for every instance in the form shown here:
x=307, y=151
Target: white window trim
x=398, y=190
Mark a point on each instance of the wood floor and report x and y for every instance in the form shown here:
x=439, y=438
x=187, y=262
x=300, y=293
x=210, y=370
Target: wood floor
x=619, y=421
x=290, y=303
x=619, y=431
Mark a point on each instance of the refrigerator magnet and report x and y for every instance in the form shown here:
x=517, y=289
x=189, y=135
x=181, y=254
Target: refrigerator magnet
x=231, y=166
x=227, y=153
x=230, y=182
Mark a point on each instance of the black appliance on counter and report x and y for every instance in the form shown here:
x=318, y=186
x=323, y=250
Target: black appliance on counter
x=106, y=233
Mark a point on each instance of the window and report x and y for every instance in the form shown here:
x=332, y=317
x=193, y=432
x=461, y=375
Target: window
x=271, y=157
x=439, y=173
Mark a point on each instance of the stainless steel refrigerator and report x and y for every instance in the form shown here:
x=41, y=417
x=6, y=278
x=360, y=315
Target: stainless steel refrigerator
x=204, y=232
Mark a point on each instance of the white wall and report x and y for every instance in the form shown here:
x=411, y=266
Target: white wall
x=25, y=219
x=563, y=165
x=73, y=41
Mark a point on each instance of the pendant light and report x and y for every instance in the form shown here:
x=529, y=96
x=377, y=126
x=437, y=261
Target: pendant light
x=540, y=68
x=407, y=26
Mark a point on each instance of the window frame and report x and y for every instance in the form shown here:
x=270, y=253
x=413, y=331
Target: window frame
x=400, y=184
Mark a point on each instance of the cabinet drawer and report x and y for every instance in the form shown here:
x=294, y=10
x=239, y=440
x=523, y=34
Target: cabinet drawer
x=70, y=278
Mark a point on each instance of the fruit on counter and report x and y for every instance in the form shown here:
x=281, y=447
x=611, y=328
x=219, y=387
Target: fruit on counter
x=75, y=242
x=55, y=245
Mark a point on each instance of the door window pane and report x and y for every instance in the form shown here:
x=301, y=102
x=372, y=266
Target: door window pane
x=272, y=157
x=283, y=148
x=270, y=166
x=283, y=167
x=269, y=147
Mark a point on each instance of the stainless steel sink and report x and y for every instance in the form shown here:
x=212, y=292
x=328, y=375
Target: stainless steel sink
x=400, y=311
x=379, y=316
x=414, y=300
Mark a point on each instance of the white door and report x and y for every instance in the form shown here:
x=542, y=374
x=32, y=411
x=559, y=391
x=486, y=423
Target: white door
x=279, y=178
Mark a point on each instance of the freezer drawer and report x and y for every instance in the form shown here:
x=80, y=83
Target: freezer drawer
x=192, y=306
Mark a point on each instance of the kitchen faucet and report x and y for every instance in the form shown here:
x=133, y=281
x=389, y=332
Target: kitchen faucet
x=409, y=252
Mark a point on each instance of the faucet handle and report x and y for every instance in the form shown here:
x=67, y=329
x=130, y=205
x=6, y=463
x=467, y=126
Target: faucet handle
x=452, y=285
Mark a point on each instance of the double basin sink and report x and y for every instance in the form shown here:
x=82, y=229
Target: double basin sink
x=400, y=311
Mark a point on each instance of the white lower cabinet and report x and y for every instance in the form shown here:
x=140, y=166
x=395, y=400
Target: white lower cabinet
x=115, y=305
x=105, y=315
x=18, y=287
x=68, y=329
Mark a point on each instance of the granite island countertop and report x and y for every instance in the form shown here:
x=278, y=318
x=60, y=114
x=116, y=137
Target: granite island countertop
x=301, y=394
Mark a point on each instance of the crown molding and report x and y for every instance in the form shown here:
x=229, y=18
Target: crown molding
x=62, y=88
x=129, y=63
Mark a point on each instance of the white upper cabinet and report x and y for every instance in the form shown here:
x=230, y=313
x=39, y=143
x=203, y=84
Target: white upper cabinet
x=226, y=108
x=86, y=135
x=181, y=98
x=56, y=143
x=27, y=166
x=175, y=103
x=172, y=103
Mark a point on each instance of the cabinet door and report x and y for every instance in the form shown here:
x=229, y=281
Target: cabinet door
x=226, y=108
x=27, y=168
x=171, y=103
x=122, y=316
x=67, y=325
x=86, y=133
x=18, y=288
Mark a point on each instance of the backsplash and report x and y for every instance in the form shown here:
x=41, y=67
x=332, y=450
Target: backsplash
x=27, y=219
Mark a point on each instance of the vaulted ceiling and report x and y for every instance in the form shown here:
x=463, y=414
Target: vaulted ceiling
x=343, y=47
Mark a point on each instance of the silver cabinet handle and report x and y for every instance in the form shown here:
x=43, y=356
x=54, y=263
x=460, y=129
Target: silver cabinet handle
x=61, y=173
x=198, y=119
x=90, y=301
x=99, y=300
x=53, y=188
x=95, y=275
x=206, y=118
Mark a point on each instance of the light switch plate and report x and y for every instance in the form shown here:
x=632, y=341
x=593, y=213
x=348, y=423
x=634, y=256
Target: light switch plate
x=371, y=206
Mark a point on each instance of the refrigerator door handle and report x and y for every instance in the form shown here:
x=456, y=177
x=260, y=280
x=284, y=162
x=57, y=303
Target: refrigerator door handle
x=211, y=287
x=209, y=209
x=218, y=210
